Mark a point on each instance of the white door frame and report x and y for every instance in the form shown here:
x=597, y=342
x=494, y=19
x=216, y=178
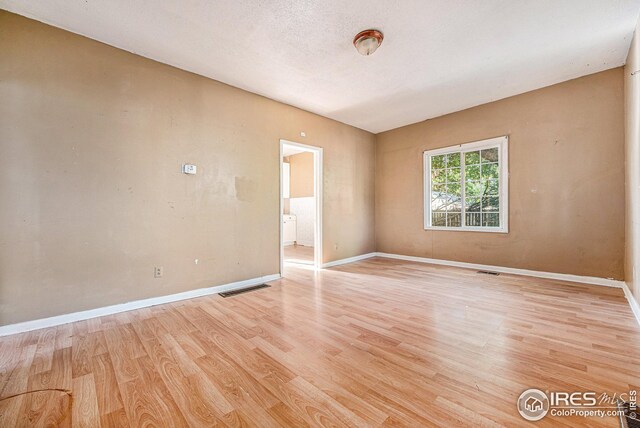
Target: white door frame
x=317, y=189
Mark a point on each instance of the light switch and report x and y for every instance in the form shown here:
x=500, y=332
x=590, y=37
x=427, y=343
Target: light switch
x=189, y=169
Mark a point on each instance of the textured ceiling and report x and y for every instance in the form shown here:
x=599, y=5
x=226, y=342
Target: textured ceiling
x=437, y=56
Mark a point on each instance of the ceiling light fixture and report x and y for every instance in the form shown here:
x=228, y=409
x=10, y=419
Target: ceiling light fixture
x=367, y=41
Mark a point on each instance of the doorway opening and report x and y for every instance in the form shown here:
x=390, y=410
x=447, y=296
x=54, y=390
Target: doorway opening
x=300, y=205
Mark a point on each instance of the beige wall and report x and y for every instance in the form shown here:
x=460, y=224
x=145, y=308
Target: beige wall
x=632, y=156
x=92, y=139
x=566, y=194
x=301, y=175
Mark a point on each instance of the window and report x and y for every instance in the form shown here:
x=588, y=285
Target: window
x=466, y=187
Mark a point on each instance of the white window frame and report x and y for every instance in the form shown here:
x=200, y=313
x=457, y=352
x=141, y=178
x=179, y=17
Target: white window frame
x=503, y=161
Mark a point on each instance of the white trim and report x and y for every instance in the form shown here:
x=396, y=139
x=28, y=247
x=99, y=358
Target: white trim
x=635, y=308
x=129, y=306
x=503, y=162
x=297, y=262
x=281, y=208
x=593, y=280
x=317, y=187
x=137, y=304
x=349, y=260
x=607, y=282
x=515, y=271
x=305, y=243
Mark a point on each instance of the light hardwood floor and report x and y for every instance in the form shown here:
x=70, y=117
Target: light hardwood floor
x=374, y=343
x=298, y=254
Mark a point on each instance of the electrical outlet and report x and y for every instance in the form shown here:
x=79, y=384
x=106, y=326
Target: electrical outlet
x=157, y=273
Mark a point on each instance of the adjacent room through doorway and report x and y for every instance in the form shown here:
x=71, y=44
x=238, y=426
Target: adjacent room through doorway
x=300, y=204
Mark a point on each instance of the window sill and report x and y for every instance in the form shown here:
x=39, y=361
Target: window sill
x=469, y=229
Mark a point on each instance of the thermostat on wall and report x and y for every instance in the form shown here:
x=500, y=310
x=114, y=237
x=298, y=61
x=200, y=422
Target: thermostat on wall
x=189, y=169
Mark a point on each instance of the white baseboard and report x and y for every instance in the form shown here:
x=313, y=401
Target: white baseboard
x=635, y=307
x=515, y=271
x=305, y=243
x=607, y=282
x=349, y=260
x=137, y=304
x=114, y=309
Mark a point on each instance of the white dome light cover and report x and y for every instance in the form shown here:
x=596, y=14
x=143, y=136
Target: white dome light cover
x=367, y=41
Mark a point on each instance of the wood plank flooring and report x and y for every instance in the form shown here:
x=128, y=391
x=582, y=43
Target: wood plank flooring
x=298, y=254
x=375, y=343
